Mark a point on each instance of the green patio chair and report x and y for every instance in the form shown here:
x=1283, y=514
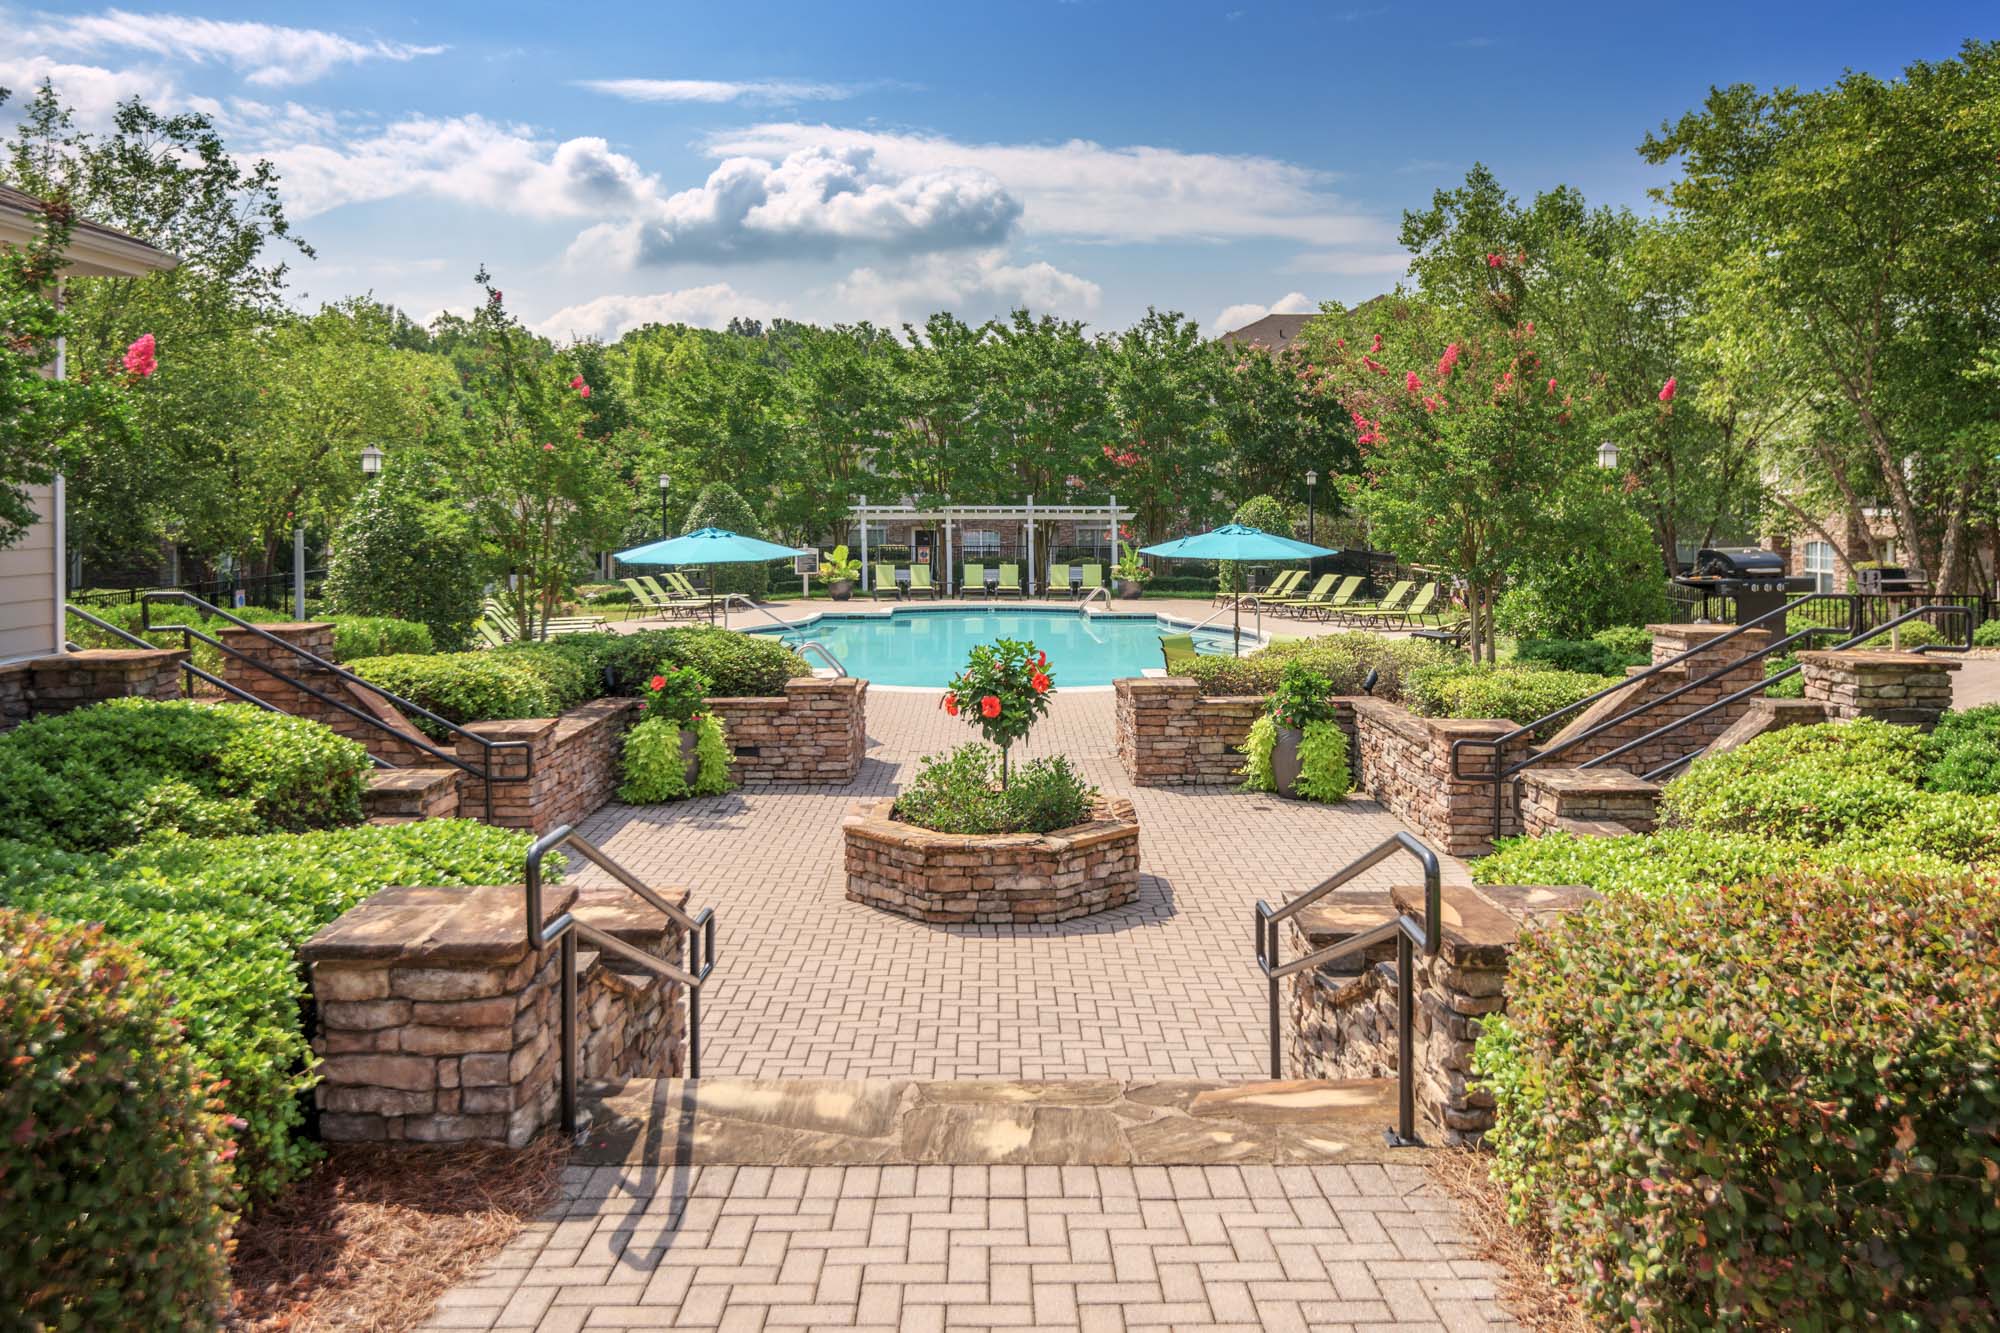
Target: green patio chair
x=974, y=581
x=1333, y=604
x=688, y=595
x=1010, y=581
x=1093, y=577
x=678, y=603
x=1178, y=650
x=1058, y=581
x=1295, y=606
x=1398, y=615
x=1357, y=615
x=920, y=582
x=1281, y=587
x=648, y=601
x=489, y=633
x=885, y=583
x=504, y=621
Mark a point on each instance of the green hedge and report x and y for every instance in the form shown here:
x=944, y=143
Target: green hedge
x=1679, y=860
x=116, y=771
x=1588, y=656
x=377, y=636
x=125, y=615
x=113, y=1159
x=1963, y=754
x=1517, y=693
x=1987, y=635
x=223, y=919
x=1344, y=659
x=1771, y=1105
x=462, y=687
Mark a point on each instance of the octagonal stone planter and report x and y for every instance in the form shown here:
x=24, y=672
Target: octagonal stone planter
x=993, y=878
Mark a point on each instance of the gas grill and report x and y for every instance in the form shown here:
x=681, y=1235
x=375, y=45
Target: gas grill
x=1755, y=577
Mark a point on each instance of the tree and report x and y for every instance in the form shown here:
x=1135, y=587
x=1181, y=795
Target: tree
x=1163, y=381
x=719, y=506
x=1857, y=252
x=944, y=443
x=1045, y=405
x=1275, y=426
x=406, y=549
x=838, y=406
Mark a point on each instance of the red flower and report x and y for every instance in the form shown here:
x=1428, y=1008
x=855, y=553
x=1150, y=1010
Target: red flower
x=950, y=702
x=576, y=382
x=659, y=682
x=1552, y=384
x=1667, y=390
x=989, y=707
x=1040, y=683
x=139, y=357
x=584, y=392
x=1492, y=261
x=1042, y=659
x=1411, y=382
x=548, y=448
x=1376, y=346
x=1447, y=361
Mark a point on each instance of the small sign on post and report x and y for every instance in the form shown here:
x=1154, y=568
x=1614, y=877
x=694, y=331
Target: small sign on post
x=805, y=564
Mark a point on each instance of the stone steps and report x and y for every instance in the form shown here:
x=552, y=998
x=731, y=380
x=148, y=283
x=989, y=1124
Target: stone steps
x=1087, y=1122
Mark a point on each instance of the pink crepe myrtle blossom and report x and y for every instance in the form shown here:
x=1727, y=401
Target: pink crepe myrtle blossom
x=548, y=448
x=1411, y=382
x=576, y=382
x=1430, y=404
x=1552, y=384
x=1447, y=361
x=1375, y=346
x=139, y=358
x=1667, y=390
x=1492, y=260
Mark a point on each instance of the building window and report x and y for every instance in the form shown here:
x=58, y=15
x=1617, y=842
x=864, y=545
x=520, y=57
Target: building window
x=980, y=542
x=1819, y=565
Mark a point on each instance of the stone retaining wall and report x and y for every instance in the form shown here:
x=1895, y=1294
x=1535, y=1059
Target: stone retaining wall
x=1344, y=1020
x=1557, y=796
x=563, y=769
x=391, y=737
x=64, y=682
x=1172, y=735
x=816, y=732
x=1406, y=764
x=1909, y=688
x=1007, y=878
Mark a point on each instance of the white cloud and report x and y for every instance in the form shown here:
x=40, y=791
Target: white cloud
x=1087, y=191
x=719, y=90
x=266, y=54
x=815, y=201
x=973, y=286
x=1236, y=316
x=606, y=317
x=91, y=92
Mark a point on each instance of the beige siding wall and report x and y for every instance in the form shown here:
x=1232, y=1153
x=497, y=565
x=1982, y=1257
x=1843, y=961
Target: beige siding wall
x=27, y=589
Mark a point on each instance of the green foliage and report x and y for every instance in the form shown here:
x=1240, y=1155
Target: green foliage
x=104, y=775
x=1963, y=754
x=839, y=567
x=1675, y=861
x=736, y=665
x=221, y=920
x=654, y=770
x=959, y=792
x=1324, y=774
x=1260, y=511
x=676, y=695
x=719, y=506
x=406, y=550
x=1987, y=635
x=1517, y=693
x=1130, y=567
x=462, y=687
x=574, y=674
x=1303, y=696
x=378, y=636
x=1343, y=659
x=1258, y=745
x=1633, y=642
x=1768, y=1105
x=127, y=616
x=1809, y=783
x=1597, y=567
x=1003, y=690
x=113, y=1156
x=1586, y=656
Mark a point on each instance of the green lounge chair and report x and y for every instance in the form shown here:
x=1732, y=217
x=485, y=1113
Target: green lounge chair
x=885, y=583
x=920, y=582
x=686, y=594
x=974, y=581
x=680, y=603
x=1295, y=605
x=1332, y=605
x=489, y=633
x=1010, y=581
x=1178, y=650
x=1398, y=615
x=648, y=601
x=1281, y=587
x=504, y=621
x=1058, y=581
x=1093, y=578
x=1356, y=615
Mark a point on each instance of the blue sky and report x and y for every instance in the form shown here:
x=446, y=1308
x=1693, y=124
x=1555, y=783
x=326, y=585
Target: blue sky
x=618, y=164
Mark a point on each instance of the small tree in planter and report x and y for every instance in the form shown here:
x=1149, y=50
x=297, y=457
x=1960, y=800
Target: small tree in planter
x=1004, y=690
x=1298, y=748
x=678, y=749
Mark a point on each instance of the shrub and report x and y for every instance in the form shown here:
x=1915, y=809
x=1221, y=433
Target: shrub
x=223, y=918
x=1518, y=694
x=1324, y=774
x=1770, y=1105
x=1809, y=783
x=1303, y=697
x=676, y=695
x=1963, y=754
x=1678, y=860
x=126, y=616
x=719, y=506
x=1344, y=659
x=378, y=636
x=1586, y=656
x=1003, y=690
x=737, y=665
x=406, y=549
x=461, y=687
x=1633, y=642
x=958, y=792
x=113, y=1158
x=653, y=771
x=1987, y=635
x=104, y=775
x=574, y=674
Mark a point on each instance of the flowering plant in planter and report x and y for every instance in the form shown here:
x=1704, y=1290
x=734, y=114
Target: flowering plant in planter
x=1298, y=748
x=1004, y=690
x=1130, y=568
x=679, y=748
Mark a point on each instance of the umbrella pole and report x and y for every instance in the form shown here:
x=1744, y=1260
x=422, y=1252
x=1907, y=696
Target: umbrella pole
x=713, y=588
x=1236, y=604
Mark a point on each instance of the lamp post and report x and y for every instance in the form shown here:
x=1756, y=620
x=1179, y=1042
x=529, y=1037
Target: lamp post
x=1607, y=454
x=1312, y=513
x=371, y=461
x=666, y=480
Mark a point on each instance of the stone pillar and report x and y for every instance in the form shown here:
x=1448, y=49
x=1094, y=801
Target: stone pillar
x=1406, y=764
x=64, y=682
x=1587, y=800
x=1910, y=688
x=817, y=731
x=1171, y=735
x=437, y=1022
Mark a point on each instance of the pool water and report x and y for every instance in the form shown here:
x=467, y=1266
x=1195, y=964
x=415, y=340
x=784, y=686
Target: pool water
x=919, y=646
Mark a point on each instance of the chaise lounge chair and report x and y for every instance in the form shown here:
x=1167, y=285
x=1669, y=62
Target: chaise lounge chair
x=1359, y=613
x=1178, y=651
x=1404, y=615
x=1010, y=581
x=1058, y=581
x=1336, y=602
x=678, y=594
x=1093, y=579
x=648, y=601
x=509, y=629
x=1293, y=606
x=885, y=583
x=1281, y=587
x=920, y=582
x=974, y=581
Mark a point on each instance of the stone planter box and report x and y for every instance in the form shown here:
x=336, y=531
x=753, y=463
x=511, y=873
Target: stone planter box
x=999, y=878
x=815, y=732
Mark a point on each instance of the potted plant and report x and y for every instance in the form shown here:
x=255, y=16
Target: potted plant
x=1302, y=705
x=839, y=573
x=677, y=749
x=1130, y=572
x=1004, y=690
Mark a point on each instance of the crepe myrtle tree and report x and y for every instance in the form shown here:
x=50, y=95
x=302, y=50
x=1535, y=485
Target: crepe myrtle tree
x=1467, y=441
x=1004, y=690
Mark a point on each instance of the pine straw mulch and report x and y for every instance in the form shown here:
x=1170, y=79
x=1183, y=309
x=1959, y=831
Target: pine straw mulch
x=1519, y=1253
x=376, y=1235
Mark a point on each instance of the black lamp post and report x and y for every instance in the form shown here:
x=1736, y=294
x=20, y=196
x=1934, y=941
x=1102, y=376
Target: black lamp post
x=665, y=481
x=1312, y=515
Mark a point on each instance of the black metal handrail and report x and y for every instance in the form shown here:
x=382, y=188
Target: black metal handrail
x=1405, y=929
x=483, y=771
x=697, y=950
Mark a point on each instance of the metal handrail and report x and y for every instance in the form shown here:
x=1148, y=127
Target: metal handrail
x=697, y=950
x=1405, y=929
x=1256, y=604
x=730, y=598
x=484, y=772
x=1099, y=591
x=805, y=646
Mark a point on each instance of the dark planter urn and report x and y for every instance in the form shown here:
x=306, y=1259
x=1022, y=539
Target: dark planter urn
x=1285, y=767
x=1129, y=589
x=690, y=759
x=840, y=589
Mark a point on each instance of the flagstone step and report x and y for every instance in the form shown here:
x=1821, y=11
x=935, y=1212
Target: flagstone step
x=1086, y=1122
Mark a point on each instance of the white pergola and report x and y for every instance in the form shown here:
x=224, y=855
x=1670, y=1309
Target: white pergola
x=946, y=515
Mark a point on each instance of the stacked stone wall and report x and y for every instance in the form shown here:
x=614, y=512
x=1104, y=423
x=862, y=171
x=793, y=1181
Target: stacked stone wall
x=816, y=732
x=64, y=682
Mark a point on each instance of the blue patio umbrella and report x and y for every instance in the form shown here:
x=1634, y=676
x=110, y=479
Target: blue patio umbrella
x=1236, y=542
x=707, y=546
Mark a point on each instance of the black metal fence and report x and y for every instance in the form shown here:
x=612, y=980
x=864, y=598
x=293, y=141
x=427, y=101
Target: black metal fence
x=1855, y=612
x=271, y=591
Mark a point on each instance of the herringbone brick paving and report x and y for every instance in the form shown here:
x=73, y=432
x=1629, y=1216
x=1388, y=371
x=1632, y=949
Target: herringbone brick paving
x=810, y=985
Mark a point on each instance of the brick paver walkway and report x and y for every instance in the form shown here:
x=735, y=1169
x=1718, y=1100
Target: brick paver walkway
x=810, y=985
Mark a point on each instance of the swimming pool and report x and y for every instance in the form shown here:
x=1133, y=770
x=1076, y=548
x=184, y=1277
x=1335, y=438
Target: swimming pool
x=925, y=646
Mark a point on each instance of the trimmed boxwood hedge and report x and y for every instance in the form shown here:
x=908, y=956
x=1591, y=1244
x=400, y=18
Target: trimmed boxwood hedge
x=1518, y=693
x=1768, y=1105
x=114, y=1175
x=1344, y=659
x=222, y=919
x=461, y=687
x=116, y=771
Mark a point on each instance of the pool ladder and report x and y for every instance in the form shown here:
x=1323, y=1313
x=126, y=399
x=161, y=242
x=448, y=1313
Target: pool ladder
x=800, y=646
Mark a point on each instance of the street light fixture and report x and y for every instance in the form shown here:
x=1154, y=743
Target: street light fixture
x=1312, y=512
x=1607, y=454
x=371, y=460
x=666, y=480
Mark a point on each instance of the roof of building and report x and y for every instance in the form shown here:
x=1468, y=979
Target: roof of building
x=1274, y=332
x=95, y=250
